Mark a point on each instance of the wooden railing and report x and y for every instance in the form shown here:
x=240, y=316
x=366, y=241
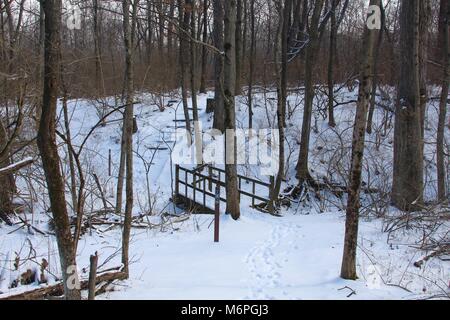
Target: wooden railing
x=202, y=187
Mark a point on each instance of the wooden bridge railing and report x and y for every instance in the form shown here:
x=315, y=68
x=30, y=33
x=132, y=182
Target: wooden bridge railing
x=198, y=182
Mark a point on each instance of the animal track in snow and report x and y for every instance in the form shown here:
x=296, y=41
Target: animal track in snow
x=265, y=262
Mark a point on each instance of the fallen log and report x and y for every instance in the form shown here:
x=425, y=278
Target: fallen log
x=58, y=289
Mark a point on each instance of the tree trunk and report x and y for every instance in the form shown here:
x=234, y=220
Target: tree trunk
x=424, y=21
x=230, y=113
x=311, y=57
x=121, y=174
x=407, y=190
x=128, y=35
x=193, y=64
x=251, y=64
x=184, y=19
x=48, y=149
x=160, y=8
x=170, y=27
x=149, y=33
x=73, y=179
x=375, y=70
x=239, y=44
x=6, y=181
x=348, y=268
x=219, y=112
x=445, y=54
x=281, y=54
x=98, y=51
x=204, y=50
x=331, y=60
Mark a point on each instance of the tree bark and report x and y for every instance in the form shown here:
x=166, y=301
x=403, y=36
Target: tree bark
x=98, y=51
x=7, y=180
x=204, y=50
x=184, y=8
x=239, y=44
x=375, y=71
x=193, y=64
x=445, y=54
x=219, y=111
x=46, y=141
x=407, y=190
x=230, y=113
x=170, y=40
x=348, y=268
x=424, y=21
x=331, y=60
x=128, y=32
x=282, y=49
x=311, y=57
x=251, y=62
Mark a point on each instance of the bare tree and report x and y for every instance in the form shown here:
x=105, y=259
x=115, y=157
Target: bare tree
x=230, y=112
x=49, y=151
x=193, y=64
x=128, y=36
x=445, y=54
x=311, y=57
x=375, y=70
x=281, y=56
x=348, y=269
x=239, y=43
x=251, y=62
x=6, y=180
x=219, y=111
x=407, y=190
x=98, y=48
x=332, y=52
x=204, y=49
x=184, y=10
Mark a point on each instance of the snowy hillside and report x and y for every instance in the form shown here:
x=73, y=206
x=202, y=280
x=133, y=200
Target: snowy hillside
x=260, y=256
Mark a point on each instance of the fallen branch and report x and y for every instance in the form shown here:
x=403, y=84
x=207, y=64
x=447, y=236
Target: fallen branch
x=28, y=225
x=15, y=166
x=58, y=289
x=445, y=249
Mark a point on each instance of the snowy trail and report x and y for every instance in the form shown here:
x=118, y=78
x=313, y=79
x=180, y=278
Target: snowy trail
x=266, y=261
x=258, y=257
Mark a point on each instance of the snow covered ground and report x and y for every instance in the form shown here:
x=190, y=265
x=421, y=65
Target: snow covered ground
x=259, y=257
x=296, y=256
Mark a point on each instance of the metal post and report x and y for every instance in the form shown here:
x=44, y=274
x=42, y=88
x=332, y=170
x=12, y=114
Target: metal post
x=217, y=214
x=194, y=183
x=210, y=173
x=271, y=194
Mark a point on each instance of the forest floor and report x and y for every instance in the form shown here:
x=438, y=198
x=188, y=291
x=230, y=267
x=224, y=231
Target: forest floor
x=295, y=256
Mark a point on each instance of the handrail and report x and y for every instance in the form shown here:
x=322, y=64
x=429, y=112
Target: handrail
x=198, y=177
